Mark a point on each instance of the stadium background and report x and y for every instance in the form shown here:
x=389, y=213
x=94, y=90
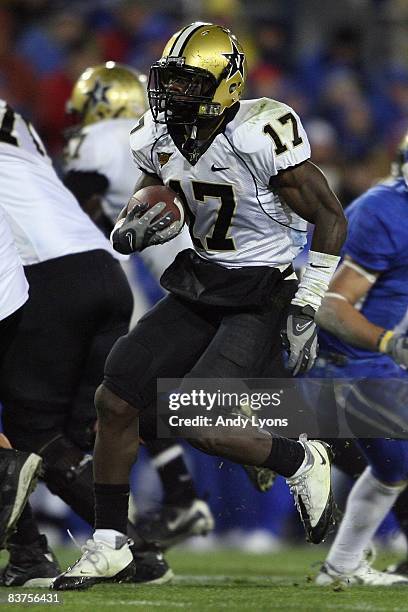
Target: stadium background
x=342, y=66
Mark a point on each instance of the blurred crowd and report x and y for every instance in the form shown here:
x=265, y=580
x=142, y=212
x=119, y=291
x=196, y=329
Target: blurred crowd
x=353, y=102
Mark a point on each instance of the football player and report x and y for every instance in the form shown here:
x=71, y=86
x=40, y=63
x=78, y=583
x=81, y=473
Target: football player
x=18, y=470
x=106, y=100
x=80, y=303
x=367, y=298
x=243, y=172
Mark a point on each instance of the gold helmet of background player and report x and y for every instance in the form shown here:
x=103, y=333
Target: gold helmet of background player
x=202, y=73
x=108, y=91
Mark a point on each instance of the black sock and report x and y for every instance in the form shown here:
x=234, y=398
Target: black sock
x=286, y=456
x=111, y=506
x=175, y=477
x=347, y=456
x=27, y=530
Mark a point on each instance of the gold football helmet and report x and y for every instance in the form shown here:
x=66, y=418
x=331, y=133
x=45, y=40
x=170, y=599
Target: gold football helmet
x=202, y=73
x=107, y=91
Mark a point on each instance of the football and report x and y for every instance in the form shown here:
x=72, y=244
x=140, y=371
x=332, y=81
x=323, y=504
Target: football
x=159, y=193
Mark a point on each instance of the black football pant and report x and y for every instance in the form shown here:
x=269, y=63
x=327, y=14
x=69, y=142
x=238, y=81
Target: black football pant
x=79, y=306
x=179, y=338
x=8, y=329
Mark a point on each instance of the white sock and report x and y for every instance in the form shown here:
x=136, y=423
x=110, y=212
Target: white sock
x=367, y=505
x=108, y=536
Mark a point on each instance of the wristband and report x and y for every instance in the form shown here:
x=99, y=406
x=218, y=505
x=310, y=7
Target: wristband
x=316, y=279
x=383, y=340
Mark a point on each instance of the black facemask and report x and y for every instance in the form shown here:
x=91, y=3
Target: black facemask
x=176, y=93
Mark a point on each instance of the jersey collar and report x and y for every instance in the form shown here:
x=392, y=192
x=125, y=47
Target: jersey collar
x=197, y=149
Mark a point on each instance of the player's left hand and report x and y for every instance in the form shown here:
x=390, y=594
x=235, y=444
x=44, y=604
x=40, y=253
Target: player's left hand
x=300, y=339
x=397, y=348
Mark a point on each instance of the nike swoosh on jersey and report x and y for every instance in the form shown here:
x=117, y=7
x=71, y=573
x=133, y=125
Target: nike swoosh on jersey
x=214, y=168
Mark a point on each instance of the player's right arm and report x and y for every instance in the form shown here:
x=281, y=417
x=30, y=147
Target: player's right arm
x=135, y=230
x=146, y=180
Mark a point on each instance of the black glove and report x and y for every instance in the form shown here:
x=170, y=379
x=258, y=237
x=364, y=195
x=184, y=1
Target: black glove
x=138, y=229
x=300, y=339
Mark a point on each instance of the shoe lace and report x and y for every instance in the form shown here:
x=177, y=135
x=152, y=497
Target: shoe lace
x=298, y=486
x=371, y=570
x=370, y=555
x=300, y=490
x=91, y=552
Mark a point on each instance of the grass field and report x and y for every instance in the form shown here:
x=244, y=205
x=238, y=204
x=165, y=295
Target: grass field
x=230, y=580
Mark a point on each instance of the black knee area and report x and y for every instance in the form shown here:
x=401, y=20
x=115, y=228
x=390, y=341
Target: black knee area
x=68, y=474
x=80, y=427
x=148, y=424
x=131, y=370
x=111, y=408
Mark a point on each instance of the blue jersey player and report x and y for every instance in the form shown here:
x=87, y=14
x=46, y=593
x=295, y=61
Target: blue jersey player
x=360, y=339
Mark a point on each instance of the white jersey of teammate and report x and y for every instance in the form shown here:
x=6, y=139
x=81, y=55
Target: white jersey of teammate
x=103, y=147
x=235, y=218
x=45, y=219
x=13, y=283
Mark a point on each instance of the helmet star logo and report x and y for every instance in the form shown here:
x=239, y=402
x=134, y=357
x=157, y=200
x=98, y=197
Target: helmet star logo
x=98, y=93
x=236, y=61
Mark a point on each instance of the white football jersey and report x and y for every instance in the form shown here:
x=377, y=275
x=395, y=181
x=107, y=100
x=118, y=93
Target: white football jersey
x=44, y=217
x=103, y=147
x=13, y=283
x=235, y=218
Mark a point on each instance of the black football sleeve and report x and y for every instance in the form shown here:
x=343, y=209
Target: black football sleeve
x=84, y=185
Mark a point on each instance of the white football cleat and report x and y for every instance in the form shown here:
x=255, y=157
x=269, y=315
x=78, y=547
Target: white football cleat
x=311, y=487
x=400, y=568
x=99, y=563
x=364, y=574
